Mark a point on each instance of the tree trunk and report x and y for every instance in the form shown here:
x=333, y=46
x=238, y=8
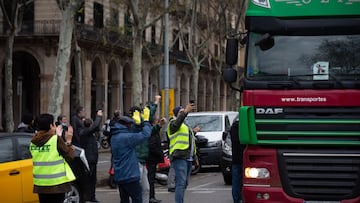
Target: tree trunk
x=195, y=85
x=9, y=113
x=62, y=60
x=136, y=68
x=79, y=101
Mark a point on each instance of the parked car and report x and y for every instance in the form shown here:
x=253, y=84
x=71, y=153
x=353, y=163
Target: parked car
x=226, y=162
x=213, y=124
x=16, y=170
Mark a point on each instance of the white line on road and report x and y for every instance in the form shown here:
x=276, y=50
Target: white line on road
x=199, y=186
x=102, y=162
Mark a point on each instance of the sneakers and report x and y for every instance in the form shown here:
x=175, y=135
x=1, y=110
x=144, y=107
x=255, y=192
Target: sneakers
x=153, y=200
x=171, y=189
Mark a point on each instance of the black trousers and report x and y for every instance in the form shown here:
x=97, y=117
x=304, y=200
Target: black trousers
x=151, y=178
x=51, y=198
x=89, y=183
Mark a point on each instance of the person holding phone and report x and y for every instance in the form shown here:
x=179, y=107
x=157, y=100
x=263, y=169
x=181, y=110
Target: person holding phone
x=182, y=149
x=89, y=144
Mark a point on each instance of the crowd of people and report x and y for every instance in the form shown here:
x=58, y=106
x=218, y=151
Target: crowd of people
x=135, y=152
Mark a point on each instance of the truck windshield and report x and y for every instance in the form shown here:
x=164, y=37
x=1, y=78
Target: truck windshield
x=308, y=58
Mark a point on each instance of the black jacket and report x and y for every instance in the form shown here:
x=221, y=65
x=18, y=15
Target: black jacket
x=77, y=124
x=156, y=154
x=88, y=140
x=237, y=148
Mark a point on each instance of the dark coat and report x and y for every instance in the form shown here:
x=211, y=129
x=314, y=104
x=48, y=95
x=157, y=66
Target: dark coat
x=156, y=154
x=88, y=140
x=77, y=124
x=237, y=148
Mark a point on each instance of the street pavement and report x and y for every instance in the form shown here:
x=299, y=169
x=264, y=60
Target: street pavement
x=103, y=167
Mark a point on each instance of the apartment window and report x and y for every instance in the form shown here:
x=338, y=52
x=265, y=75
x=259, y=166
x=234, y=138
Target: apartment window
x=216, y=50
x=153, y=34
x=98, y=15
x=128, y=26
x=176, y=38
x=27, y=26
x=186, y=41
x=144, y=35
x=80, y=16
x=114, y=18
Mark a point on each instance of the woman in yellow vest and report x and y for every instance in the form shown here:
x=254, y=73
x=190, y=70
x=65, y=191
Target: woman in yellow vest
x=51, y=173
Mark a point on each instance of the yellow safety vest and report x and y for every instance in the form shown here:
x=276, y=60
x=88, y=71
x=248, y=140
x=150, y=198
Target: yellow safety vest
x=180, y=139
x=49, y=167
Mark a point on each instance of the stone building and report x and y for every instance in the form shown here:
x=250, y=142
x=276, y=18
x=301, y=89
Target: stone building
x=106, y=63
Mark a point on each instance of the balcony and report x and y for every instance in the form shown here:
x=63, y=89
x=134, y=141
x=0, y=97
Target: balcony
x=35, y=28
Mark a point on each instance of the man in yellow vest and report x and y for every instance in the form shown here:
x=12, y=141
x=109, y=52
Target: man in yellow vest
x=51, y=173
x=182, y=149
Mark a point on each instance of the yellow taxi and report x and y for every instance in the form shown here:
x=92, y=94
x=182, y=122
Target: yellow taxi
x=16, y=185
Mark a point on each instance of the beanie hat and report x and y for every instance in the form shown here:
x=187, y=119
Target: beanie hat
x=176, y=110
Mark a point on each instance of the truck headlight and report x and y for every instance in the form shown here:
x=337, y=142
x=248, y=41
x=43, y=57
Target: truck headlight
x=256, y=172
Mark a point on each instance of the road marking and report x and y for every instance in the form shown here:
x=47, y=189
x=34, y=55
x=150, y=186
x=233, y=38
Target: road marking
x=200, y=186
x=203, y=192
x=102, y=162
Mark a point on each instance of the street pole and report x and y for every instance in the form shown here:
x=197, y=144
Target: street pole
x=166, y=61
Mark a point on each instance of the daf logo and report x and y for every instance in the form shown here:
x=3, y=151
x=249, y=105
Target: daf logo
x=269, y=110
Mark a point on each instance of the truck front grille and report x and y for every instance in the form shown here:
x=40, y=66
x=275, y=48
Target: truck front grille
x=320, y=174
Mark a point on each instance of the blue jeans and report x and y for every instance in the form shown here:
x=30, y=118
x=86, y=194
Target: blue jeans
x=237, y=182
x=182, y=170
x=132, y=190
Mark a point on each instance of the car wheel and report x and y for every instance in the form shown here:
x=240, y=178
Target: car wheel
x=105, y=144
x=195, y=169
x=227, y=179
x=73, y=196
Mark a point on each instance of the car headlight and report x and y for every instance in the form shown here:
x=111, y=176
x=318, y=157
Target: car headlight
x=227, y=146
x=214, y=144
x=256, y=172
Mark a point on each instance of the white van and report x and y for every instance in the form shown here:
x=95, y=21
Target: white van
x=212, y=126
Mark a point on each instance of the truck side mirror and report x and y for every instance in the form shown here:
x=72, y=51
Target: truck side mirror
x=232, y=51
x=230, y=75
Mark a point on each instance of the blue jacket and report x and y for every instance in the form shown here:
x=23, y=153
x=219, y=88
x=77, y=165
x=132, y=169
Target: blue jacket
x=123, y=142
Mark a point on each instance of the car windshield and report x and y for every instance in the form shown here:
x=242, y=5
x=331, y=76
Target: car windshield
x=207, y=123
x=307, y=58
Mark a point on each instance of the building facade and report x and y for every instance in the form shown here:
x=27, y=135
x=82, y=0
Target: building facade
x=106, y=61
